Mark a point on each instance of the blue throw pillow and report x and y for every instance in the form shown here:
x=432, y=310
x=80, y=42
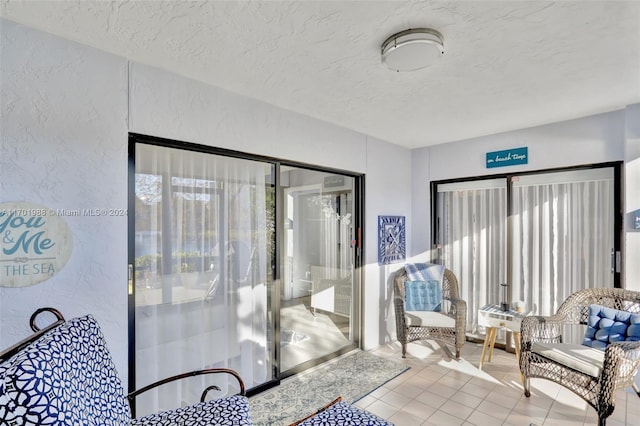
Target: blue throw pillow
x=423, y=295
x=607, y=325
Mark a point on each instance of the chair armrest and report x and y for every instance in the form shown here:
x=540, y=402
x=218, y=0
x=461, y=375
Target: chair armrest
x=401, y=323
x=621, y=361
x=458, y=310
x=242, y=392
x=626, y=352
x=541, y=329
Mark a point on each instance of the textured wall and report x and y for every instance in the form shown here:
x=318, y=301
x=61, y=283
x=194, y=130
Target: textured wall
x=171, y=106
x=63, y=145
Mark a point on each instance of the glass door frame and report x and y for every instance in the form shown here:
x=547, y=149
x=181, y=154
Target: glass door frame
x=275, y=291
x=358, y=193
x=618, y=208
x=618, y=214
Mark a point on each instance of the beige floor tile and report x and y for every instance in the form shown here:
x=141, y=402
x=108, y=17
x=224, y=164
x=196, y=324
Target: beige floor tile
x=382, y=409
x=519, y=419
x=457, y=410
x=522, y=407
x=403, y=418
x=444, y=391
x=478, y=418
x=442, y=418
x=396, y=399
x=558, y=419
x=466, y=399
x=364, y=402
x=419, y=409
x=431, y=399
x=451, y=382
x=438, y=390
x=410, y=390
x=504, y=398
x=380, y=392
x=494, y=410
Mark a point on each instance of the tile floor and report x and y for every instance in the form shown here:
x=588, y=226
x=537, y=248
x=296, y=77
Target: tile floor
x=440, y=391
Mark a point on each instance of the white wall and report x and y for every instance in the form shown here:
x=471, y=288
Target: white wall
x=66, y=111
x=169, y=106
x=632, y=197
x=388, y=185
x=63, y=145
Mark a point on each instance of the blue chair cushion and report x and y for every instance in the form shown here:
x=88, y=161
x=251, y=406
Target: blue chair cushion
x=607, y=325
x=423, y=295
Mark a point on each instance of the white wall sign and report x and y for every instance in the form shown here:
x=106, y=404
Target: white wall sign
x=35, y=244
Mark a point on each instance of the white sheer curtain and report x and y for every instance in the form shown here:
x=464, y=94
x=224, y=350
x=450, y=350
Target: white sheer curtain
x=562, y=236
x=472, y=236
x=202, y=254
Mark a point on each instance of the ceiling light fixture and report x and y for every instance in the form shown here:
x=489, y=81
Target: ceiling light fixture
x=412, y=49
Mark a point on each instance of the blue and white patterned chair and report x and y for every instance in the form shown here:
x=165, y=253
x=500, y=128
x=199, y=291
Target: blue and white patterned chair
x=67, y=377
x=340, y=413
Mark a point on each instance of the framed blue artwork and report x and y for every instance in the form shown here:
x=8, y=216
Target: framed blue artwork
x=391, y=239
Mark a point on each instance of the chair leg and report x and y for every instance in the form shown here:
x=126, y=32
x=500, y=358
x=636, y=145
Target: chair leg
x=635, y=388
x=526, y=385
x=457, y=353
x=602, y=421
x=404, y=350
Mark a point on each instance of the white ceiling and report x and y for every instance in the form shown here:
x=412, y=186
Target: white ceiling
x=507, y=64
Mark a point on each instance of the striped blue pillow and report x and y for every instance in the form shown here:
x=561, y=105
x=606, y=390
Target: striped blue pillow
x=423, y=295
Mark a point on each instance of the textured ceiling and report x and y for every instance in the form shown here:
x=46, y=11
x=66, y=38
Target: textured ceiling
x=507, y=64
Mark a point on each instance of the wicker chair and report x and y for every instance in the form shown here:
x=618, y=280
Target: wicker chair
x=447, y=327
x=592, y=374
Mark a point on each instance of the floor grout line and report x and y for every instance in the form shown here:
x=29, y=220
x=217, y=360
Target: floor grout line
x=428, y=361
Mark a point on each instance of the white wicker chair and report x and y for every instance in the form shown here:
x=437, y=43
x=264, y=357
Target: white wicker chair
x=592, y=374
x=448, y=327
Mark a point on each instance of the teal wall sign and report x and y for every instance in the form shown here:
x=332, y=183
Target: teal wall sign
x=507, y=157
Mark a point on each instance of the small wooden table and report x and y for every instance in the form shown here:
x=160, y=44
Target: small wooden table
x=493, y=318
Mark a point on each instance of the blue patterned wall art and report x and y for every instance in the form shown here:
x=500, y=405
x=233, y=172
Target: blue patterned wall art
x=391, y=239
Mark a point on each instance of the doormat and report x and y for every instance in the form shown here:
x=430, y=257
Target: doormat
x=353, y=377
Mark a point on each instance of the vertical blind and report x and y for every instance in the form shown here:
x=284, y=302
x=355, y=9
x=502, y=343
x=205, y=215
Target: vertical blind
x=560, y=238
x=473, y=239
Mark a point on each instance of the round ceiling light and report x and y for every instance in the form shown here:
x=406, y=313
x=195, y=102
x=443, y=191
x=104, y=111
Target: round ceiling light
x=412, y=49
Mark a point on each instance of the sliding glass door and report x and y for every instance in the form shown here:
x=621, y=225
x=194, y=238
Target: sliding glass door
x=236, y=261
x=318, y=314
x=563, y=228
x=545, y=234
x=472, y=239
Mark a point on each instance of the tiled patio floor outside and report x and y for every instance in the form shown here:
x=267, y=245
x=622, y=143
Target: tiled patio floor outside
x=440, y=391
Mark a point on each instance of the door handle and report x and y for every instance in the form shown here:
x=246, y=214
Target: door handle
x=615, y=261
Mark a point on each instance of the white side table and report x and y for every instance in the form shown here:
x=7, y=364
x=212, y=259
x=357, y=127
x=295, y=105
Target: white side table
x=494, y=318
